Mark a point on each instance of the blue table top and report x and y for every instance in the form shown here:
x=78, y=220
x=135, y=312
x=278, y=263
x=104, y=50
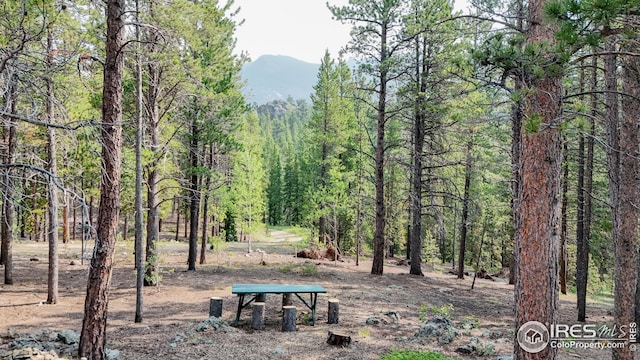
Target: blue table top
x=275, y=289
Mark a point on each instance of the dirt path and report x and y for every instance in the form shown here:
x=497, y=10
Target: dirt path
x=174, y=309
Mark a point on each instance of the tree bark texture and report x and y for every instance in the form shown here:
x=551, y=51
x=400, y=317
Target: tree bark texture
x=138, y=211
x=7, y=203
x=417, y=169
x=289, y=318
x=563, y=227
x=94, y=325
x=194, y=206
x=205, y=209
x=9, y=138
x=464, y=226
x=627, y=221
x=378, y=236
x=52, y=207
x=536, y=248
x=215, y=307
x=333, y=311
x=257, y=316
x=153, y=121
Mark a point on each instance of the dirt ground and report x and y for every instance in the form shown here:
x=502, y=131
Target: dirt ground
x=173, y=310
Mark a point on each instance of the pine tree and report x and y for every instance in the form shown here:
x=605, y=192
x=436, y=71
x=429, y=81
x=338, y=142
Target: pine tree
x=378, y=39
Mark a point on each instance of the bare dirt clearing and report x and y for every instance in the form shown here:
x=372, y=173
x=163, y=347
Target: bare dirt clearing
x=173, y=310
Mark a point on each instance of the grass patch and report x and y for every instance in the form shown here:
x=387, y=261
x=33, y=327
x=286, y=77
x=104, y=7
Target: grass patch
x=309, y=270
x=414, y=355
x=287, y=268
x=302, y=269
x=606, y=299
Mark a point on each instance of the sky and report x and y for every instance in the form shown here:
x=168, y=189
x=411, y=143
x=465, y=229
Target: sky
x=302, y=29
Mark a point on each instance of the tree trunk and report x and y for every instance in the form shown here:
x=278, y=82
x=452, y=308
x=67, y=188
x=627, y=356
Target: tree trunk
x=75, y=219
x=516, y=154
x=93, y=337
x=205, y=210
x=378, y=236
x=52, y=207
x=65, y=220
x=138, y=210
x=417, y=168
x=563, y=226
x=627, y=222
x=536, y=248
x=194, y=205
x=186, y=223
x=582, y=243
x=152, y=106
x=465, y=210
x=177, y=224
x=10, y=138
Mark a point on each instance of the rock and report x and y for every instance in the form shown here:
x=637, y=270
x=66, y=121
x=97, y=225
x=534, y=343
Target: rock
x=439, y=327
x=30, y=353
x=278, y=351
x=486, y=349
x=68, y=337
x=43, y=344
x=469, y=347
x=445, y=291
x=393, y=315
x=372, y=321
x=492, y=334
x=505, y=357
x=475, y=346
x=216, y=323
x=112, y=354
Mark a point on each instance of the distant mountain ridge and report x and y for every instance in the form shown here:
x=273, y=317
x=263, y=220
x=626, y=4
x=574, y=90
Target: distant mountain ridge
x=273, y=77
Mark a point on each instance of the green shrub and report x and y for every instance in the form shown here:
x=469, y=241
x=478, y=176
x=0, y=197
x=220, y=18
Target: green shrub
x=309, y=270
x=444, y=311
x=414, y=355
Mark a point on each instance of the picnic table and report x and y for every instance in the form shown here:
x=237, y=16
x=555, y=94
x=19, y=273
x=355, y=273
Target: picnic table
x=256, y=290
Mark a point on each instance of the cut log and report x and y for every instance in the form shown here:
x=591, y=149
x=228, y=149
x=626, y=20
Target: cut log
x=287, y=300
x=338, y=339
x=333, y=313
x=289, y=318
x=257, y=318
x=215, y=307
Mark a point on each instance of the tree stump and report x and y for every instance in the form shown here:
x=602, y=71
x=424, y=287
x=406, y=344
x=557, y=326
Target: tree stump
x=215, y=307
x=333, y=313
x=257, y=317
x=289, y=318
x=338, y=339
x=287, y=300
x=261, y=297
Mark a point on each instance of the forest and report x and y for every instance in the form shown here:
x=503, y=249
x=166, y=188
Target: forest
x=504, y=137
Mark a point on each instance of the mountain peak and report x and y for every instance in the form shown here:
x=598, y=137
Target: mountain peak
x=278, y=58
x=272, y=77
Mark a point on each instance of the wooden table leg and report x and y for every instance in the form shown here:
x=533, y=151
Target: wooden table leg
x=314, y=299
x=240, y=301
